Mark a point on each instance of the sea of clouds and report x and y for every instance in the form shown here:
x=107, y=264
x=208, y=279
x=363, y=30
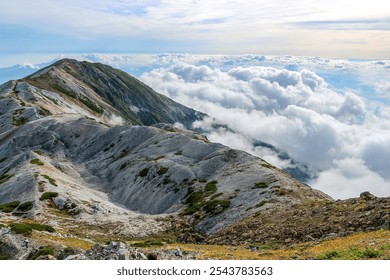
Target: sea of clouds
x=331, y=114
x=340, y=128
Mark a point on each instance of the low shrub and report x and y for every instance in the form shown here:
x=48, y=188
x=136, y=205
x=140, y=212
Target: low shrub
x=166, y=180
x=26, y=206
x=148, y=243
x=36, y=161
x=43, y=251
x=216, y=195
x=260, y=185
x=124, y=165
x=123, y=153
x=26, y=228
x=212, y=204
x=330, y=255
x=5, y=177
x=51, y=180
x=9, y=207
x=211, y=187
x=162, y=170
x=258, y=205
x=44, y=112
x=143, y=172
x=48, y=195
x=160, y=157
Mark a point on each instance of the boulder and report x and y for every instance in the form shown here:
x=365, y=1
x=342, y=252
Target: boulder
x=367, y=196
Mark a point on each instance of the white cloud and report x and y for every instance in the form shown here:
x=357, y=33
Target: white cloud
x=218, y=26
x=350, y=176
x=340, y=133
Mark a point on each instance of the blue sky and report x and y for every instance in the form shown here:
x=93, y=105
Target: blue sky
x=331, y=28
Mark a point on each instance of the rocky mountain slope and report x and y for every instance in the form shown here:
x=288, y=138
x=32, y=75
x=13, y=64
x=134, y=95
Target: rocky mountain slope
x=69, y=161
x=105, y=90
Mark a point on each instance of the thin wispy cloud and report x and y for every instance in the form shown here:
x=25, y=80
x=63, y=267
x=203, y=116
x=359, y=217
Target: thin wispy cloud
x=357, y=24
x=269, y=27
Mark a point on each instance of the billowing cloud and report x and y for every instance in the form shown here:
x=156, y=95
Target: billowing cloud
x=339, y=132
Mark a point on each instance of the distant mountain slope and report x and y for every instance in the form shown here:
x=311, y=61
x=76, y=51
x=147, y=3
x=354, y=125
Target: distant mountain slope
x=18, y=71
x=92, y=83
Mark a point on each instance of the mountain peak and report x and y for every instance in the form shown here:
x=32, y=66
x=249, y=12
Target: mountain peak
x=102, y=88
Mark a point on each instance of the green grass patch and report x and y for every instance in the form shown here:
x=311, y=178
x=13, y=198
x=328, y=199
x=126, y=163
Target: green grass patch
x=5, y=177
x=166, y=180
x=90, y=104
x=4, y=257
x=9, y=207
x=258, y=205
x=83, y=99
x=18, y=121
x=60, y=89
x=195, y=201
x=160, y=157
x=36, y=161
x=123, y=153
x=44, y=112
x=26, y=206
x=162, y=170
x=39, y=152
x=43, y=251
x=260, y=185
x=280, y=192
x=2, y=226
x=211, y=205
x=124, y=165
x=52, y=99
x=27, y=228
x=51, y=180
x=143, y=172
x=352, y=254
x=216, y=195
x=192, y=209
x=148, y=243
x=211, y=187
x=48, y=195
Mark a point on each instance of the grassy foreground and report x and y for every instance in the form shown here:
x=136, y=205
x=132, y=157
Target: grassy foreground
x=359, y=246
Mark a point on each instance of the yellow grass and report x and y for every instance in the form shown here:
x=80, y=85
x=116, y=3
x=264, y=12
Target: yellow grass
x=378, y=241
x=49, y=239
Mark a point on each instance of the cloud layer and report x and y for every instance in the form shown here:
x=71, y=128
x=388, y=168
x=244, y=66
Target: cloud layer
x=302, y=27
x=341, y=133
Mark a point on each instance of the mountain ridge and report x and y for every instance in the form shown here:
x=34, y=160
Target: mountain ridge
x=136, y=102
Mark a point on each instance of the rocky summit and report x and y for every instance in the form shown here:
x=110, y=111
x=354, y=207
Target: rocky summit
x=89, y=153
